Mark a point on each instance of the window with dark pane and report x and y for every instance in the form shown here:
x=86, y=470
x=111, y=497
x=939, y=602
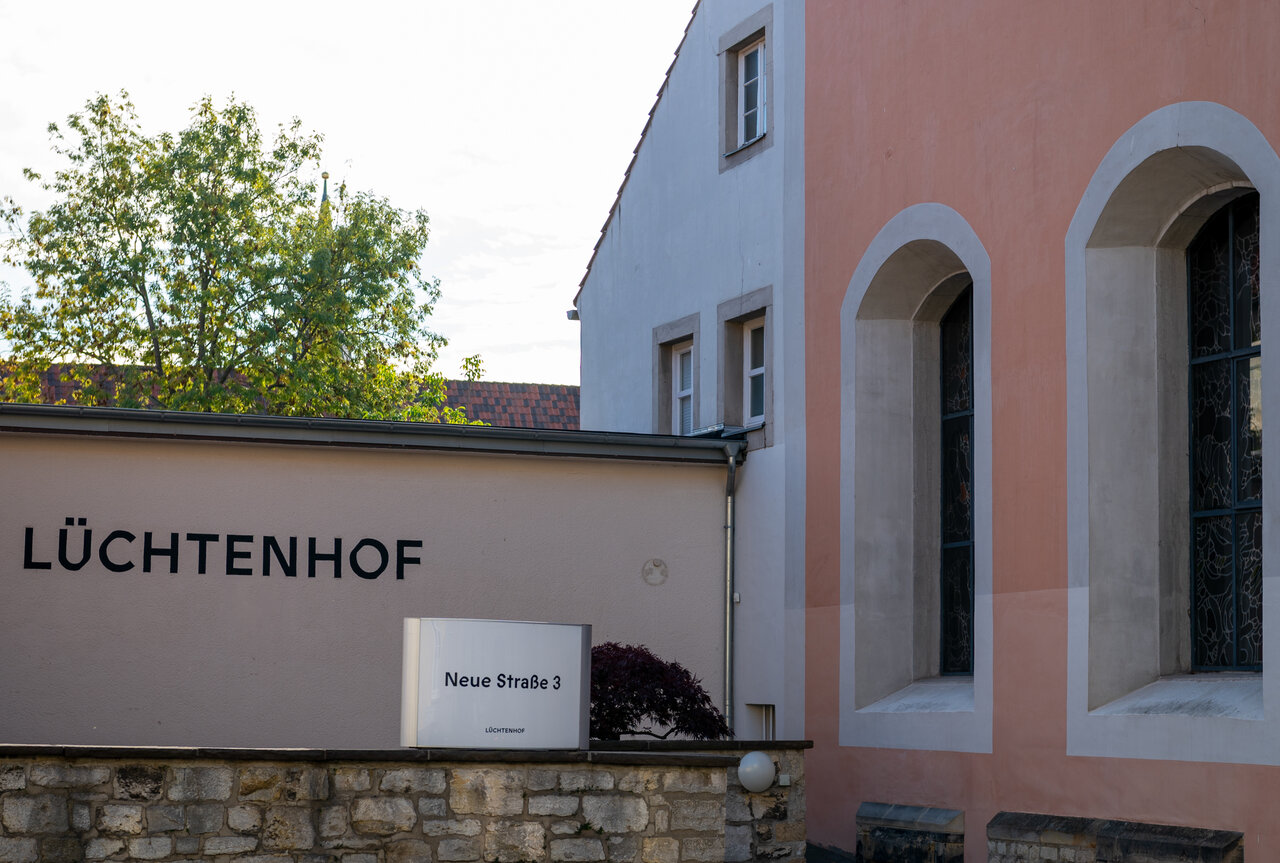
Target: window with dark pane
x=955, y=362
x=1225, y=406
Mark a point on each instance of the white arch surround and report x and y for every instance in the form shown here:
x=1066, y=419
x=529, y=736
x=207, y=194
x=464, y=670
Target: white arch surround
x=890, y=694
x=1127, y=510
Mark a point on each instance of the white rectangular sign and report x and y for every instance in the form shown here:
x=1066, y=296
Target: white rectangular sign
x=495, y=684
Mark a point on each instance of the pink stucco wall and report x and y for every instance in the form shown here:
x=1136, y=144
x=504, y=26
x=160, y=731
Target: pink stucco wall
x=1002, y=110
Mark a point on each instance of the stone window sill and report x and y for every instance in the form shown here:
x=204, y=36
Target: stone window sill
x=930, y=695
x=1234, y=695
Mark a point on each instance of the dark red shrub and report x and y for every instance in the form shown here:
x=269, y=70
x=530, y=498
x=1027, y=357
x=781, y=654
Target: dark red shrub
x=635, y=692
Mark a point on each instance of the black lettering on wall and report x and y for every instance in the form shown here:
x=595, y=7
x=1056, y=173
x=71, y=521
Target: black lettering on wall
x=272, y=548
x=313, y=556
x=28, y=560
x=202, y=539
x=234, y=554
x=402, y=559
x=106, y=544
x=149, y=551
x=382, y=558
x=86, y=550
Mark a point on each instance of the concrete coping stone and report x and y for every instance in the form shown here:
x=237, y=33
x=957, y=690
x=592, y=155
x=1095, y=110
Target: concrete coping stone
x=1154, y=842
x=925, y=819
x=669, y=755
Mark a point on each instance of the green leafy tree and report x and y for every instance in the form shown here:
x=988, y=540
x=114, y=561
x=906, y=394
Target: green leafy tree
x=196, y=272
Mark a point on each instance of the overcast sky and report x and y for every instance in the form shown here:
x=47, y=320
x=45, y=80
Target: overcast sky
x=510, y=121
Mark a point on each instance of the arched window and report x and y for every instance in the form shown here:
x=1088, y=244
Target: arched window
x=1225, y=375
x=915, y=503
x=955, y=364
x=1175, y=238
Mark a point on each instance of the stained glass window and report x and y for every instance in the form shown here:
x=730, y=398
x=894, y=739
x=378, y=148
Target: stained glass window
x=1225, y=406
x=956, y=366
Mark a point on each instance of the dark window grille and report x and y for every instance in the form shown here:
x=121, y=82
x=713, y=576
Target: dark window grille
x=1225, y=408
x=956, y=366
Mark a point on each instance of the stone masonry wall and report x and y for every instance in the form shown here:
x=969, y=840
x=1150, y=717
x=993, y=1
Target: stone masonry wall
x=236, y=809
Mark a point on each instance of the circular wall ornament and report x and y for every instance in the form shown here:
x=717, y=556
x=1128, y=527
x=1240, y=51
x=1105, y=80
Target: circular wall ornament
x=654, y=571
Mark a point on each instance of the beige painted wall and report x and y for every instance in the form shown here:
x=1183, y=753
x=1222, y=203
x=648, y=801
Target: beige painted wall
x=96, y=657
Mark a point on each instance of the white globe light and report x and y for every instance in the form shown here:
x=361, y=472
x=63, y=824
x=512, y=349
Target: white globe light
x=756, y=771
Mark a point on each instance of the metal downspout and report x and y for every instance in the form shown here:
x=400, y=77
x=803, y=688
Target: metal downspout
x=728, y=585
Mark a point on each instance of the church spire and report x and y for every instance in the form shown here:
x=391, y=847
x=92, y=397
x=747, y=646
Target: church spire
x=325, y=219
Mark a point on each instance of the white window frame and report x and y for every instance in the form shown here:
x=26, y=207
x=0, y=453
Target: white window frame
x=681, y=395
x=747, y=37
x=750, y=373
x=760, y=106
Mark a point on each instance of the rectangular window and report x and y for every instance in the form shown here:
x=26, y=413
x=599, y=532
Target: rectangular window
x=753, y=382
x=746, y=88
x=751, y=108
x=675, y=376
x=682, y=389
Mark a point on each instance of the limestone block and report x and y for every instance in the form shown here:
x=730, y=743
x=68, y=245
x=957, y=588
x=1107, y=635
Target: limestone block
x=97, y=849
x=566, y=828
x=456, y=850
x=346, y=779
x=640, y=781
x=17, y=850
x=287, y=828
x=229, y=845
x=553, y=804
x=432, y=807
x=695, y=781
x=660, y=849
x=514, y=841
x=408, y=780
x=737, y=843
x=150, y=848
x=542, y=779
x=244, y=819
x=36, y=813
x=770, y=805
x=63, y=776
x=661, y=820
x=465, y=827
x=162, y=819
x=789, y=831
x=350, y=841
x=334, y=821
x=409, y=851
x=578, y=849
x=305, y=783
x=736, y=807
x=139, y=782
x=186, y=845
x=382, y=816
x=623, y=849
x=81, y=816
x=260, y=783
x=586, y=780
x=201, y=783
x=359, y=858
x=486, y=792
x=12, y=778
x=61, y=850
x=270, y=858
x=703, y=850
x=204, y=818
x=615, y=813
x=764, y=831
x=120, y=820
x=696, y=814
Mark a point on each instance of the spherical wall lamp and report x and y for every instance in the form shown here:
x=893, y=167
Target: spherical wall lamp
x=756, y=771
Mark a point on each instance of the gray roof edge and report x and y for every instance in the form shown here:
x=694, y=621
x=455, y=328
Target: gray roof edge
x=322, y=431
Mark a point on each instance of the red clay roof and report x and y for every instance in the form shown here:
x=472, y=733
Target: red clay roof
x=541, y=406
